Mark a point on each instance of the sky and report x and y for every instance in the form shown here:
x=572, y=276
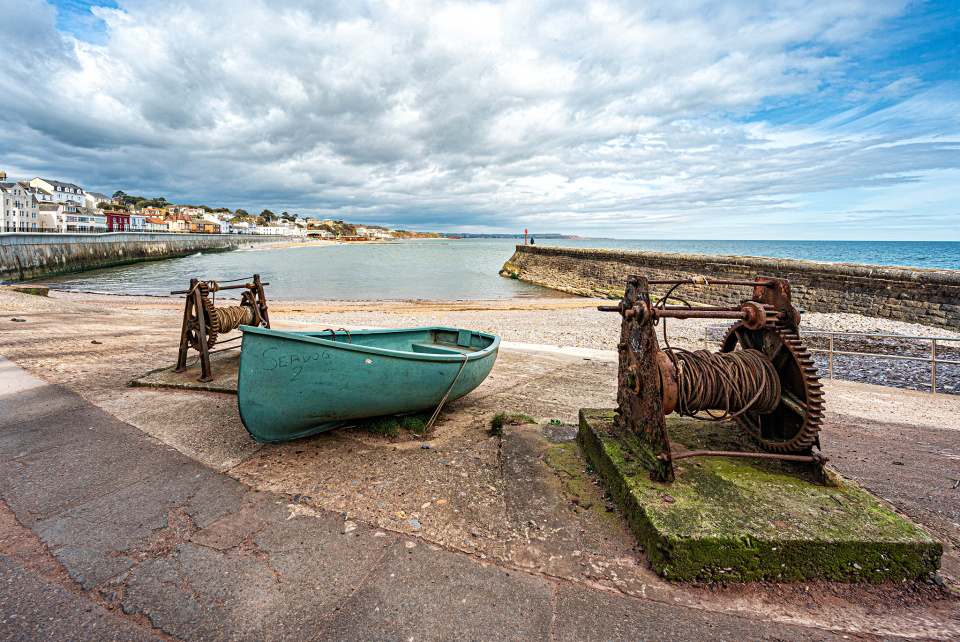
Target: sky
x=747, y=119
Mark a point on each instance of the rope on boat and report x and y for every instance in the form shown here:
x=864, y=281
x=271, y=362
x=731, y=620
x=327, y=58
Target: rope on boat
x=436, y=412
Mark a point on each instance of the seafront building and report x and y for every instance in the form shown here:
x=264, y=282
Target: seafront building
x=19, y=205
x=48, y=205
x=57, y=192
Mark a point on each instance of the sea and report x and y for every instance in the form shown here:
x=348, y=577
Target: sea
x=448, y=269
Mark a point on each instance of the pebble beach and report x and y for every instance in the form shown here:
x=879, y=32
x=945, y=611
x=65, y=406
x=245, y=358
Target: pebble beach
x=573, y=322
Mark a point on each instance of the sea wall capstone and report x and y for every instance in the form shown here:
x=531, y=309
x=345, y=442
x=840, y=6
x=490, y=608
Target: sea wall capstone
x=916, y=295
x=29, y=256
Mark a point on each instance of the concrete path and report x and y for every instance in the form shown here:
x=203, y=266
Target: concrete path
x=133, y=540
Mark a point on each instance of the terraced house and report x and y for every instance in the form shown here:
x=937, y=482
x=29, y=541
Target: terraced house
x=19, y=206
x=58, y=192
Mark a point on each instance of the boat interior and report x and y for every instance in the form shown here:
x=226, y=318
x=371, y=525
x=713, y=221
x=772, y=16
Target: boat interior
x=418, y=340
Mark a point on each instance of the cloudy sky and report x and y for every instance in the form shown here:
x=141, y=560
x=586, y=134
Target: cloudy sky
x=774, y=119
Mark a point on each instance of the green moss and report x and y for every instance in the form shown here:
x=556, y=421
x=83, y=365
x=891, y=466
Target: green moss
x=389, y=426
x=575, y=476
x=510, y=271
x=496, y=424
x=416, y=423
x=743, y=520
x=382, y=426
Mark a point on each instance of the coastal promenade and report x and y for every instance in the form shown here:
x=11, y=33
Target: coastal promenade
x=25, y=255
x=133, y=513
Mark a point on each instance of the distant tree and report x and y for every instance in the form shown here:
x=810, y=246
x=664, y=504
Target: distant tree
x=206, y=209
x=267, y=215
x=120, y=194
x=240, y=212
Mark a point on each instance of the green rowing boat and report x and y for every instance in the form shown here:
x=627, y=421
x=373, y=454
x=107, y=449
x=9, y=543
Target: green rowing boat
x=294, y=384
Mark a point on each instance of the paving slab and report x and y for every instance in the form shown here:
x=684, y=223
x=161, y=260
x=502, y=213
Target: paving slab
x=741, y=519
x=110, y=457
x=24, y=397
x=102, y=537
x=584, y=614
x=34, y=608
x=423, y=592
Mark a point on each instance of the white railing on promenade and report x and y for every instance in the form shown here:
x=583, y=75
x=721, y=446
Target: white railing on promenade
x=45, y=238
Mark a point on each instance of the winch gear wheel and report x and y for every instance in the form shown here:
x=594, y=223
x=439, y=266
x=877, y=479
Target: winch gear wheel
x=794, y=426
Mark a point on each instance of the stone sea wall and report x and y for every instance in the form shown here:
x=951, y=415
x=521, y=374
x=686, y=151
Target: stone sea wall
x=29, y=256
x=916, y=295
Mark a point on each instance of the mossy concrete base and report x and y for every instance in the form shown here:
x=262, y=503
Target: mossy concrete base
x=738, y=519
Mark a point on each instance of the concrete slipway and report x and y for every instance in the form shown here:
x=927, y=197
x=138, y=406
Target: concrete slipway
x=134, y=513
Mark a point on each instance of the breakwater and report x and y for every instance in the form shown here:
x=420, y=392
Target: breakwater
x=916, y=295
x=29, y=256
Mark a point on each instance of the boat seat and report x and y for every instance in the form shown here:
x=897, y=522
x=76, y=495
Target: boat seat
x=433, y=348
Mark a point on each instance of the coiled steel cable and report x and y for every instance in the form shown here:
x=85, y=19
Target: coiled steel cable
x=732, y=381
x=233, y=317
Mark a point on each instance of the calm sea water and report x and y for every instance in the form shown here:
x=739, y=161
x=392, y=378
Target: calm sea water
x=449, y=269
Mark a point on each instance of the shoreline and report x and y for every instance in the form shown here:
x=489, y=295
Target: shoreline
x=573, y=323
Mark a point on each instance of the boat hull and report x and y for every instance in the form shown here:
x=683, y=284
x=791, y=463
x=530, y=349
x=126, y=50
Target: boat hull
x=294, y=384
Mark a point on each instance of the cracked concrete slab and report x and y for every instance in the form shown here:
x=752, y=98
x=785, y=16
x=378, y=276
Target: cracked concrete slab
x=584, y=615
x=50, y=482
x=430, y=594
x=34, y=608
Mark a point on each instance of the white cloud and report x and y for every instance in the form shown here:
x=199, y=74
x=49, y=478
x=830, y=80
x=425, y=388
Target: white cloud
x=595, y=117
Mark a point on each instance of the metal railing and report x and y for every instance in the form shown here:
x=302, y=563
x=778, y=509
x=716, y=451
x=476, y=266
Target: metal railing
x=933, y=360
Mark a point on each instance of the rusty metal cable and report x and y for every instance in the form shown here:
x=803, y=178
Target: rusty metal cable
x=233, y=317
x=730, y=381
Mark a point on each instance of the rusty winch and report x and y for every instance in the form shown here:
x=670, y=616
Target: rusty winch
x=203, y=322
x=763, y=378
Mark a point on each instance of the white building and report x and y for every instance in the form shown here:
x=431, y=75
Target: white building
x=138, y=222
x=57, y=192
x=275, y=230
x=19, y=207
x=213, y=218
x=67, y=217
x=280, y=230
x=96, y=200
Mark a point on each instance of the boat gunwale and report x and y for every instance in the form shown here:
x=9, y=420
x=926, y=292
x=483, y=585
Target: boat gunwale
x=402, y=354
